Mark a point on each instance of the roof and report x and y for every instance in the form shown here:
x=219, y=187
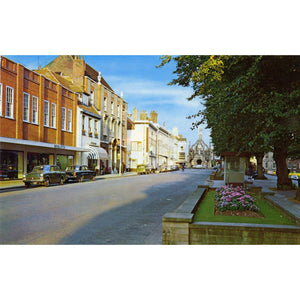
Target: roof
x=91, y=110
x=64, y=81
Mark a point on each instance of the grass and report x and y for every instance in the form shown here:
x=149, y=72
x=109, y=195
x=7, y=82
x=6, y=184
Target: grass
x=272, y=215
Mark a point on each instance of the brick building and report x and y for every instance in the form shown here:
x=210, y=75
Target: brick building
x=37, y=121
x=100, y=97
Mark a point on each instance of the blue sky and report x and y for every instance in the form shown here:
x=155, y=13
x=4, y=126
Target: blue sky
x=144, y=86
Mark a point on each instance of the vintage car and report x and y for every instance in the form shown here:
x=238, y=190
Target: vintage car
x=79, y=173
x=44, y=175
x=145, y=169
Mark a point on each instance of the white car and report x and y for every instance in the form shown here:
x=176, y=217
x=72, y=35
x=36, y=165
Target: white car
x=198, y=167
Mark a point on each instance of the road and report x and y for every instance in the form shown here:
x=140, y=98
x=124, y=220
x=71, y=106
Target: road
x=116, y=211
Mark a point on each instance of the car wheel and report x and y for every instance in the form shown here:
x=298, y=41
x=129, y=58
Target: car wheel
x=61, y=182
x=47, y=182
x=27, y=185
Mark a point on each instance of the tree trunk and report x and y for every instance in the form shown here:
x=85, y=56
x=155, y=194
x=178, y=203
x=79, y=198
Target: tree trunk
x=260, y=172
x=282, y=172
x=298, y=191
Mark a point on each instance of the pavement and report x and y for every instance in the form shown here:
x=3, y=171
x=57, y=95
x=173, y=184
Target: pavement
x=18, y=183
x=282, y=199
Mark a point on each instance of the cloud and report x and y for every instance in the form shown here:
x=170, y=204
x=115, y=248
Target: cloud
x=152, y=92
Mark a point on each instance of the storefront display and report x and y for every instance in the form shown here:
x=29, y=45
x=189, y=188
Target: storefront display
x=11, y=164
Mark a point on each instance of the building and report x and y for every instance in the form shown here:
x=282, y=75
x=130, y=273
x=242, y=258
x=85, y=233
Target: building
x=152, y=144
x=88, y=123
x=37, y=121
x=200, y=153
x=269, y=164
x=99, y=96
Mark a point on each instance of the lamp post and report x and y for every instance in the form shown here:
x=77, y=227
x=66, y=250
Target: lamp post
x=121, y=131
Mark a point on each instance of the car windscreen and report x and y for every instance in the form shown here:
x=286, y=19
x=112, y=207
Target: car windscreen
x=73, y=168
x=40, y=169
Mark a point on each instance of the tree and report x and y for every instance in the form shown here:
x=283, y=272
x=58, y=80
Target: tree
x=251, y=103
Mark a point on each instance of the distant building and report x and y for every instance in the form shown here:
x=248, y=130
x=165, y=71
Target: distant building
x=200, y=153
x=269, y=164
x=152, y=144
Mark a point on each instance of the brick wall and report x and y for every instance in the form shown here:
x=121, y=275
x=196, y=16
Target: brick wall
x=23, y=81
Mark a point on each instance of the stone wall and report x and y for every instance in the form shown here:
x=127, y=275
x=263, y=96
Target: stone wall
x=178, y=229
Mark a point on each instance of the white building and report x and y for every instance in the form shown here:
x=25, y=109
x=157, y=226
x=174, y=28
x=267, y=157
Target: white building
x=151, y=144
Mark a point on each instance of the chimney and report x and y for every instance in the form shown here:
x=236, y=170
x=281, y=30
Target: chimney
x=143, y=115
x=99, y=77
x=135, y=114
x=153, y=116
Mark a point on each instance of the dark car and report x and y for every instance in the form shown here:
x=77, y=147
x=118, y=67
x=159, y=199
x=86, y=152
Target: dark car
x=44, y=175
x=79, y=173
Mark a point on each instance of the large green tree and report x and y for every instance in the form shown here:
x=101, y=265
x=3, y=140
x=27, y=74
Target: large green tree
x=251, y=103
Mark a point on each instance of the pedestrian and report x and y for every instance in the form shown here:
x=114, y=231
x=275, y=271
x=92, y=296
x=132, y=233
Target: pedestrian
x=250, y=171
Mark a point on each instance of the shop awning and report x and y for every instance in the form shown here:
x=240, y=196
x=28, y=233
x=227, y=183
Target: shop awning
x=97, y=153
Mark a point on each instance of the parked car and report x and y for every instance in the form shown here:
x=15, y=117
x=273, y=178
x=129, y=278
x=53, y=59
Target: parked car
x=44, y=175
x=175, y=168
x=79, y=173
x=143, y=169
x=198, y=167
x=294, y=175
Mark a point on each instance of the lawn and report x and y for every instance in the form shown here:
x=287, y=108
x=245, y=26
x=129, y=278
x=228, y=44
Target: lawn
x=272, y=215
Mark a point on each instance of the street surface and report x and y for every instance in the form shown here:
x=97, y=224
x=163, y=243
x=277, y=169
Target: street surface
x=114, y=211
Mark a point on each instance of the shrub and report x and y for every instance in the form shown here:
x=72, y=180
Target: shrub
x=234, y=198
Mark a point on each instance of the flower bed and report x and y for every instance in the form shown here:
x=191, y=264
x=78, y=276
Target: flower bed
x=234, y=200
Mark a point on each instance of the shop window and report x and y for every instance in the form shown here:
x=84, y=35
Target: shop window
x=37, y=159
x=64, y=161
x=11, y=164
x=34, y=110
x=9, y=113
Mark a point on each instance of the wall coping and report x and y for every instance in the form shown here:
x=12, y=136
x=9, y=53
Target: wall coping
x=184, y=212
x=244, y=225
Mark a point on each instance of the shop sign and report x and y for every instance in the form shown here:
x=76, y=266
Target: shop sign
x=60, y=146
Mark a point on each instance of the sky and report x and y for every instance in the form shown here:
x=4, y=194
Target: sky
x=144, y=86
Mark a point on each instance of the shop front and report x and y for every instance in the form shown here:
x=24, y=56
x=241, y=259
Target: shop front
x=18, y=157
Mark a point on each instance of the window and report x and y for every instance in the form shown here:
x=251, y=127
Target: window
x=46, y=113
x=63, y=118
x=83, y=120
x=53, y=115
x=0, y=99
x=92, y=98
x=90, y=124
x=133, y=146
x=85, y=99
x=34, y=110
x=96, y=126
x=69, y=120
x=26, y=107
x=112, y=107
x=9, y=102
x=105, y=104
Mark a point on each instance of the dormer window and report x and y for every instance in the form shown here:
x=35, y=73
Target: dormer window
x=85, y=99
x=92, y=98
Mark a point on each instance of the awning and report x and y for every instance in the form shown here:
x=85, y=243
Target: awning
x=97, y=153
